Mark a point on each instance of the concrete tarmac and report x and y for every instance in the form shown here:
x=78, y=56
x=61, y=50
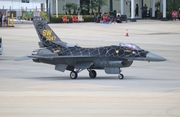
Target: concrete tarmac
x=29, y=89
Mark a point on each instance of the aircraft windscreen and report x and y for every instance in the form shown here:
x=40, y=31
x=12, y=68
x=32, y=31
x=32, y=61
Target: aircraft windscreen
x=130, y=45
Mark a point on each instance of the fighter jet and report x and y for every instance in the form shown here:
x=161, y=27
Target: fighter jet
x=74, y=58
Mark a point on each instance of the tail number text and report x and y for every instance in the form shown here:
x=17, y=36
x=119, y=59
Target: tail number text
x=48, y=35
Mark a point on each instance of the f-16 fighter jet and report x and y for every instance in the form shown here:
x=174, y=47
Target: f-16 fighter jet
x=71, y=57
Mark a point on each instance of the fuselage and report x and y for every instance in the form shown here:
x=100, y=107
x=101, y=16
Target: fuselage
x=123, y=51
x=121, y=55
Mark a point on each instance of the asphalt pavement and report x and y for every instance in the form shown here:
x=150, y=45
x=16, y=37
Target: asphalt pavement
x=29, y=89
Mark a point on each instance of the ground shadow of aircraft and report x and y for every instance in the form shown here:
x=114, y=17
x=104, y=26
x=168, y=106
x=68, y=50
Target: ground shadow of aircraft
x=71, y=57
x=81, y=78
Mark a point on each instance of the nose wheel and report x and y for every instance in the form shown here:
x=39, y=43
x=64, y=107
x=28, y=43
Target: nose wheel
x=92, y=73
x=73, y=75
x=120, y=76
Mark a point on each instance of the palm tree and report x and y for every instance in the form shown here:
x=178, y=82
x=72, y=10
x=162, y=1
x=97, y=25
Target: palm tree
x=71, y=6
x=86, y=5
x=75, y=8
x=157, y=5
x=68, y=7
x=98, y=4
x=173, y=4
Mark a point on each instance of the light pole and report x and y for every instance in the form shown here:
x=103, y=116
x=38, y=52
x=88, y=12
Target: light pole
x=56, y=8
x=48, y=10
x=47, y=6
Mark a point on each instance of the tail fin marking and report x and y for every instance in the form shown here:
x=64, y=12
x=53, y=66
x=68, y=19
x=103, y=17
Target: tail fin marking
x=46, y=34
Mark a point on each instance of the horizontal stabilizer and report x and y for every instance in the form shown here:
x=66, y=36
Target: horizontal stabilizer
x=23, y=58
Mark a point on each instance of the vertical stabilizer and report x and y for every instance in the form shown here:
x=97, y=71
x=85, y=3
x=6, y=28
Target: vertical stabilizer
x=46, y=35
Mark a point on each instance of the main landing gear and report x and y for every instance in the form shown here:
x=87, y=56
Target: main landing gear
x=74, y=74
x=92, y=74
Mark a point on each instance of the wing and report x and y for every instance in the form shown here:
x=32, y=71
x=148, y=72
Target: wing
x=50, y=57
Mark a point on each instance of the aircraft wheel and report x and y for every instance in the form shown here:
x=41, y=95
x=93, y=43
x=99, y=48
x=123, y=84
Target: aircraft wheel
x=73, y=75
x=120, y=76
x=92, y=74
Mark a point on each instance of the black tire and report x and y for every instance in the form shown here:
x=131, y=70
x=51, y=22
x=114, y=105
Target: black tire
x=92, y=74
x=73, y=75
x=120, y=76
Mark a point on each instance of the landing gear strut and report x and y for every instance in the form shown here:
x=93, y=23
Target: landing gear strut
x=120, y=76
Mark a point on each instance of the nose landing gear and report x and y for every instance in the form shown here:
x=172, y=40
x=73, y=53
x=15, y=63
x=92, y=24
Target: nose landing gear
x=120, y=76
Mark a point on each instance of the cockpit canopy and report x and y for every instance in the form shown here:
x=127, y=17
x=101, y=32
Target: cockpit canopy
x=72, y=45
x=130, y=46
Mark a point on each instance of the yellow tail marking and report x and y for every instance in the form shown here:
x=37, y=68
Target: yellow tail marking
x=46, y=32
x=49, y=32
x=48, y=35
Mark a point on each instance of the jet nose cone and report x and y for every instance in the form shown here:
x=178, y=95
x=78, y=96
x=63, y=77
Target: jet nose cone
x=154, y=57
